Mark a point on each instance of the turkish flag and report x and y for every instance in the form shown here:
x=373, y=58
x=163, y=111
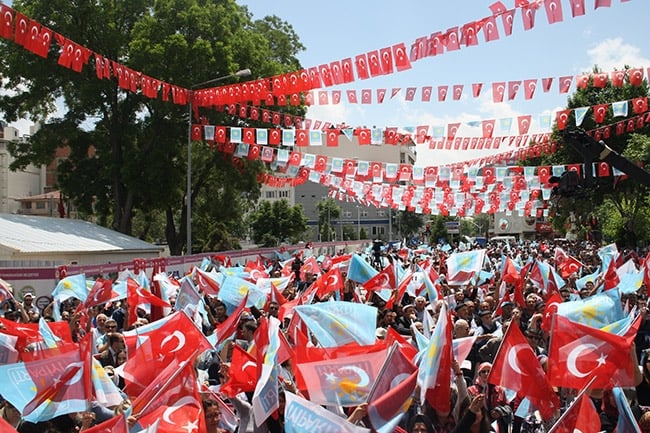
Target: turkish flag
x=577, y=8
x=552, y=301
x=490, y=29
x=553, y=11
x=331, y=281
x=101, y=293
x=565, y=263
x=137, y=295
x=116, y=424
x=175, y=405
x=516, y=367
x=197, y=132
x=442, y=93
x=562, y=118
x=242, y=374
x=361, y=63
x=22, y=29
x=524, y=124
x=635, y=76
x=56, y=379
x=640, y=105
x=580, y=416
x=600, y=111
x=394, y=386
x=508, y=18
x=611, y=279
x=528, y=16
x=385, y=279
x=7, y=22
x=498, y=90
x=170, y=340
x=578, y=353
x=400, y=57
x=374, y=63
x=513, y=88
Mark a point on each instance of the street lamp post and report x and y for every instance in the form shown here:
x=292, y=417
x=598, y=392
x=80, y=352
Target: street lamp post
x=358, y=222
x=188, y=192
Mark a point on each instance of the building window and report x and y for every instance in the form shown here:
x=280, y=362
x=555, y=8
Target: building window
x=40, y=205
x=27, y=205
x=347, y=214
x=270, y=194
x=381, y=213
x=378, y=230
x=364, y=213
x=283, y=194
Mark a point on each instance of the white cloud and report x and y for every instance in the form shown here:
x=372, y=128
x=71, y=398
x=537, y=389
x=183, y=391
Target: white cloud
x=612, y=54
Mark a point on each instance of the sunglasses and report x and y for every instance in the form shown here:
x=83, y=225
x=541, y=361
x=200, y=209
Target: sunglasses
x=484, y=372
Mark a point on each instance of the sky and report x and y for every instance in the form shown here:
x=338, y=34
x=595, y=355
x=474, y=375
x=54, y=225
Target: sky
x=609, y=37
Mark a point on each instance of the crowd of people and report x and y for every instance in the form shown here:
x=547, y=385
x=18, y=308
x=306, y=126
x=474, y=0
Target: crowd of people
x=482, y=308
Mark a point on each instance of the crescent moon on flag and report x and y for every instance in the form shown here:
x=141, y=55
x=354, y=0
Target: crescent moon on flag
x=179, y=404
x=78, y=374
x=179, y=336
x=398, y=379
x=512, y=358
x=364, y=380
x=573, y=357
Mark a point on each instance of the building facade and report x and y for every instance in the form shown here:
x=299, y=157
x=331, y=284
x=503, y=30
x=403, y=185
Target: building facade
x=354, y=218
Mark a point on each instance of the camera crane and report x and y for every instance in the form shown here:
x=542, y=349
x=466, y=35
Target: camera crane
x=570, y=183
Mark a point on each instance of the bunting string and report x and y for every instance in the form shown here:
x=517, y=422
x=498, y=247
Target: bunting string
x=493, y=132
x=287, y=88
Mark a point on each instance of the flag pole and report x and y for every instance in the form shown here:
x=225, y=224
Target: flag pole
x=567, y=411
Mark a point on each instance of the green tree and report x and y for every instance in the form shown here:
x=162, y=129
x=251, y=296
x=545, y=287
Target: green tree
x=328, y=210
x=137, y=168
x=628, y=197
x=408, y=223
x=276, y=222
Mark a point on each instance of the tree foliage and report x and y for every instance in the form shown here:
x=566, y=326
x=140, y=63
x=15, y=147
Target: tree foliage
x=626, y=196
x=276, y=222
x=128, y=154
x=328, y=210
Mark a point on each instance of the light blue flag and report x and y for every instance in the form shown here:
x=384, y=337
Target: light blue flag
x=206, y=263
x=545, y=122
x=631, y=282
x=348, y=132
x=360, y=270
x=438, y=131
x=620, y=326
x=431, y=358
x=619, y=109
x=376, y=136
x=288, y=137
x=302, y=415
x=505, y=124
x=626, y=421
x=235, y=135
x=595, y=311
x=607, y=254
x=315, y=137
x=234, y=290
x=49, y=339
x=582, y=282
x=188, y=298
x=339, y=322
x=262, y=136
x=580, y=113
x=429, y=286
x=73, y=286
x=17, y=378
